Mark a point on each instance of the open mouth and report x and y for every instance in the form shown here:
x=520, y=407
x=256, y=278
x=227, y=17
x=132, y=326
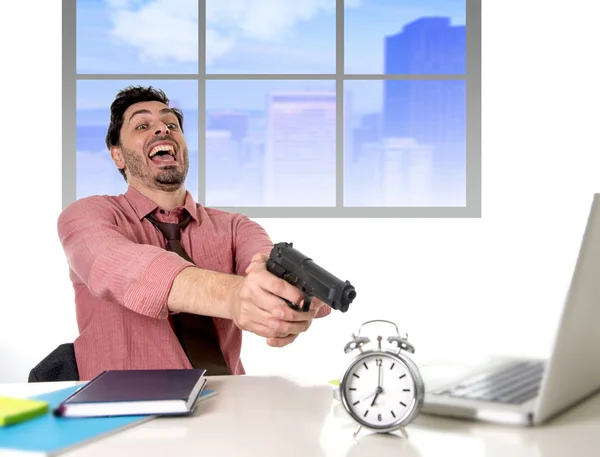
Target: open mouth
x=163, y=153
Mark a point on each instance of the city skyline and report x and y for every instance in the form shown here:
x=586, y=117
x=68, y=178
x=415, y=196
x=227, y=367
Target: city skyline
x=404, y=141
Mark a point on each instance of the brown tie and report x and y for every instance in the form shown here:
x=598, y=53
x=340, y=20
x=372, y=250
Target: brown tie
x=197, y=334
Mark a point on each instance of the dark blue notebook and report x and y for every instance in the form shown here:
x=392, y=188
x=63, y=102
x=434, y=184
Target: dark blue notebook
x=136, y=392
x=50, y=435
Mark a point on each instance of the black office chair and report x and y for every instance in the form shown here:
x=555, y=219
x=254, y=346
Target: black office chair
x=59, y=365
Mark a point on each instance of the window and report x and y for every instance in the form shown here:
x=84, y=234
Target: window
x=327, y=108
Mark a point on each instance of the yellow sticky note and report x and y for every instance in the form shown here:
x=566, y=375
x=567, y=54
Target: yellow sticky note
x=15, y=410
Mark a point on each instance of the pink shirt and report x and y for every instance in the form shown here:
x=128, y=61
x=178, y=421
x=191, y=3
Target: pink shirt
x=122, y=275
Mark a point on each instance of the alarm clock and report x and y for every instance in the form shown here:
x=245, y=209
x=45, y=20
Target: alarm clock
x=381, y=389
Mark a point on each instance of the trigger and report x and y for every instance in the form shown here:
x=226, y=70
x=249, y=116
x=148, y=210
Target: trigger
x=292, y=305
x=306, y=305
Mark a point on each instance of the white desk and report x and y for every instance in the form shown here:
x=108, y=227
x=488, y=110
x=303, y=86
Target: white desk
x=272, y=416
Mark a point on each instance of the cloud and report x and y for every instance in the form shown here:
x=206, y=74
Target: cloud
x=168, y=29
x=159, y=29
x=261, y=20
x=231, y=21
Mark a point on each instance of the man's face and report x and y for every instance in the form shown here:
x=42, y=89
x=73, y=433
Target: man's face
x=153, y=149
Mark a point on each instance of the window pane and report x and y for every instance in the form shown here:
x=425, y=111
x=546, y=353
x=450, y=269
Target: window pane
x=405, y=143
x=270, y=143
x=142, y=37
x=96, y=172
x=258, y=36
x=405, y=37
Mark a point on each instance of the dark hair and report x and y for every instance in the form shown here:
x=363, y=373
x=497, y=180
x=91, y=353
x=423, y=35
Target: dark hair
x=124, y=99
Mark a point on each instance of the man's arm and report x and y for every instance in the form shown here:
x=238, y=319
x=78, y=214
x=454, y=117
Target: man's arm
x=146, y=279
x=152, y=281
x=199, y=291
x=250, y=239
x=204, y=292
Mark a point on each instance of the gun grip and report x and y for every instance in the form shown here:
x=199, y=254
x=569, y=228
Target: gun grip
x=305, y=306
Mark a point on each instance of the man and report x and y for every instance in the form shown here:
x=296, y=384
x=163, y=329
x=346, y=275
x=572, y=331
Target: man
x=140, y=305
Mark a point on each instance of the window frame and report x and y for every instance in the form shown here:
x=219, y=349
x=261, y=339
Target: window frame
x=472, y=76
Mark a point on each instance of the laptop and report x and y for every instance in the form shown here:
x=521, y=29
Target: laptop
x=528, y=392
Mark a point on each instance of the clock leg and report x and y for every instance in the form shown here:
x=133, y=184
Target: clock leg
x=404, y=432
x=357, y=430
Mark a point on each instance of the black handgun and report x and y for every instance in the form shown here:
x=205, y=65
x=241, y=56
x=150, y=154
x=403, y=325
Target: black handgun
x=299, y=270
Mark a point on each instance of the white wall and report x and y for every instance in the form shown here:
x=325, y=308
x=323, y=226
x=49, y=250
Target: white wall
x=495, y=283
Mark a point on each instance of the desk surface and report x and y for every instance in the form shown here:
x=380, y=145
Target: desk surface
x=273, y=416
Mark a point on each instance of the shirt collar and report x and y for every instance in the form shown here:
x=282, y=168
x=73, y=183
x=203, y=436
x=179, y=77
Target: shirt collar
x=143, y=206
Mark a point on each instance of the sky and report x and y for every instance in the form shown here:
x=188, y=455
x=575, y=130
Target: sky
x=99, y=94
x=159, y=38
x=244, y=36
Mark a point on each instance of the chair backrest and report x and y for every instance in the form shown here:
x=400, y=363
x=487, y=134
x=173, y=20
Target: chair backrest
x=59, y=365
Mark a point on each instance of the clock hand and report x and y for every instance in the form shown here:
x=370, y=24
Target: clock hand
x=379, y=387
x=375, y=398
x=377, y=392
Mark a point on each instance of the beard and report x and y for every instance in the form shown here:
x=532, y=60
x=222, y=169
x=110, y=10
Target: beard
x=167, y=177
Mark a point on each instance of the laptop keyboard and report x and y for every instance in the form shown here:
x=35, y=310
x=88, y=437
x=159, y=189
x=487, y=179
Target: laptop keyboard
x=513, y=384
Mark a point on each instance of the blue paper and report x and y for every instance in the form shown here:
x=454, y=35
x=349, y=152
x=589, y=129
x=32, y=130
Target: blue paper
x=50, y=434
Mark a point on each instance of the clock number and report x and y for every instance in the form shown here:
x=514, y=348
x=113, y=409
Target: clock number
x=378, y=362
x=379, y=417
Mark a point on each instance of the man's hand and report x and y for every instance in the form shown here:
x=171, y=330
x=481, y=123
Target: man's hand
x=258, y=306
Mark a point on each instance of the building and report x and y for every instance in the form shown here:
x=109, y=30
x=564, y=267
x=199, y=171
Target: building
x=300, y=149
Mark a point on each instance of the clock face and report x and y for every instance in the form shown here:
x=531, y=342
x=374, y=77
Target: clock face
x=379, y=390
